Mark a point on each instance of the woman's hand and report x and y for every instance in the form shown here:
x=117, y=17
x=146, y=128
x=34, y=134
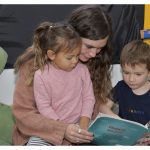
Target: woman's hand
x=76, y=135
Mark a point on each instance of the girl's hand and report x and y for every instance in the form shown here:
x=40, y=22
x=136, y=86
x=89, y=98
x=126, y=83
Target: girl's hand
x=76, y=135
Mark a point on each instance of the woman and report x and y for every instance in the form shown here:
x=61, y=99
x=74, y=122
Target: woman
x=94, y=27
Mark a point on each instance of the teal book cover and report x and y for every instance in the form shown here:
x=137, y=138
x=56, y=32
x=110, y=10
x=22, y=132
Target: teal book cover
x=113, y=131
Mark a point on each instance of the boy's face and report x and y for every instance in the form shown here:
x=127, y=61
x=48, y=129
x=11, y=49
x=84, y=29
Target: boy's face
x=136, y=77
x=66, y=60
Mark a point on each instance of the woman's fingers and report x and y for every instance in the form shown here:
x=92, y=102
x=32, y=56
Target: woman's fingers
x=77, y=135
x=83, y=134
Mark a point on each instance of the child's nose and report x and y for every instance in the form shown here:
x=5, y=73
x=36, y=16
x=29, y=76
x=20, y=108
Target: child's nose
x=131, y=77
x=75, y=60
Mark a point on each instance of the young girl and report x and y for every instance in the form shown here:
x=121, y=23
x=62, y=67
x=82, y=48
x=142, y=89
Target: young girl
x=62, y=86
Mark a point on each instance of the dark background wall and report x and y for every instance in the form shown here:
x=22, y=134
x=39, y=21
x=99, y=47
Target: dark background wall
x=127, y=21
x=18, y=22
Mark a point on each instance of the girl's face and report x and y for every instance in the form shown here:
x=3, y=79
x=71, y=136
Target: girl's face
x=66, y=60
x=136, y=77
x=90, y=48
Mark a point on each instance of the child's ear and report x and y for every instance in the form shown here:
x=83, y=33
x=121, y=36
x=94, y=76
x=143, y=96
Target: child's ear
x=149, y=75
x=51, y=54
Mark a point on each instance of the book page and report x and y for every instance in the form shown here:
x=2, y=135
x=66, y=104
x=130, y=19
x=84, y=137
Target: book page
x=108, y=130
x=105, y=115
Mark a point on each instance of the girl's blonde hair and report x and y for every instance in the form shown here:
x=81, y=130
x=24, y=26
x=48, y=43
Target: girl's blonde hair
x=48, y=36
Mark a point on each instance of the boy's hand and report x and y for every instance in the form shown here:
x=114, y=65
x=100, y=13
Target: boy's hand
x=143, y=141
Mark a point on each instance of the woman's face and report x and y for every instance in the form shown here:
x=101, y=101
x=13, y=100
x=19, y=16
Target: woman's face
x=90, y=48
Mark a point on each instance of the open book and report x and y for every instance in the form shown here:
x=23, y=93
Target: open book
x=108, y=130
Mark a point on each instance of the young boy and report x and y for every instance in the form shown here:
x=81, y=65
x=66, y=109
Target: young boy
x=133, y=93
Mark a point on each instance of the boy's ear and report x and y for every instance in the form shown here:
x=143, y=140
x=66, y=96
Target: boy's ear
x=148, y=78
x=51, y=54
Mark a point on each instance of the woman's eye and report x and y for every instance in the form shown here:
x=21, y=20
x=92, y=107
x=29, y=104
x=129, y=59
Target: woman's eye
x=89, y=47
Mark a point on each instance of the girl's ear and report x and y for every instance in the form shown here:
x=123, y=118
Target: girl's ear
x=51, y=55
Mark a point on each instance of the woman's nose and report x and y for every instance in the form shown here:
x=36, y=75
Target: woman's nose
x=92, y=53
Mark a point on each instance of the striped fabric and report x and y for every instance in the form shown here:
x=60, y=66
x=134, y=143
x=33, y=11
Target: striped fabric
x=36, y=141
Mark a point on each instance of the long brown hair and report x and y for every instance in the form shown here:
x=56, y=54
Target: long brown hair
x=91, y=22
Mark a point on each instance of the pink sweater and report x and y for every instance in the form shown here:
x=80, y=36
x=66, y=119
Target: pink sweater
x=28, y=120
x=64, y=96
